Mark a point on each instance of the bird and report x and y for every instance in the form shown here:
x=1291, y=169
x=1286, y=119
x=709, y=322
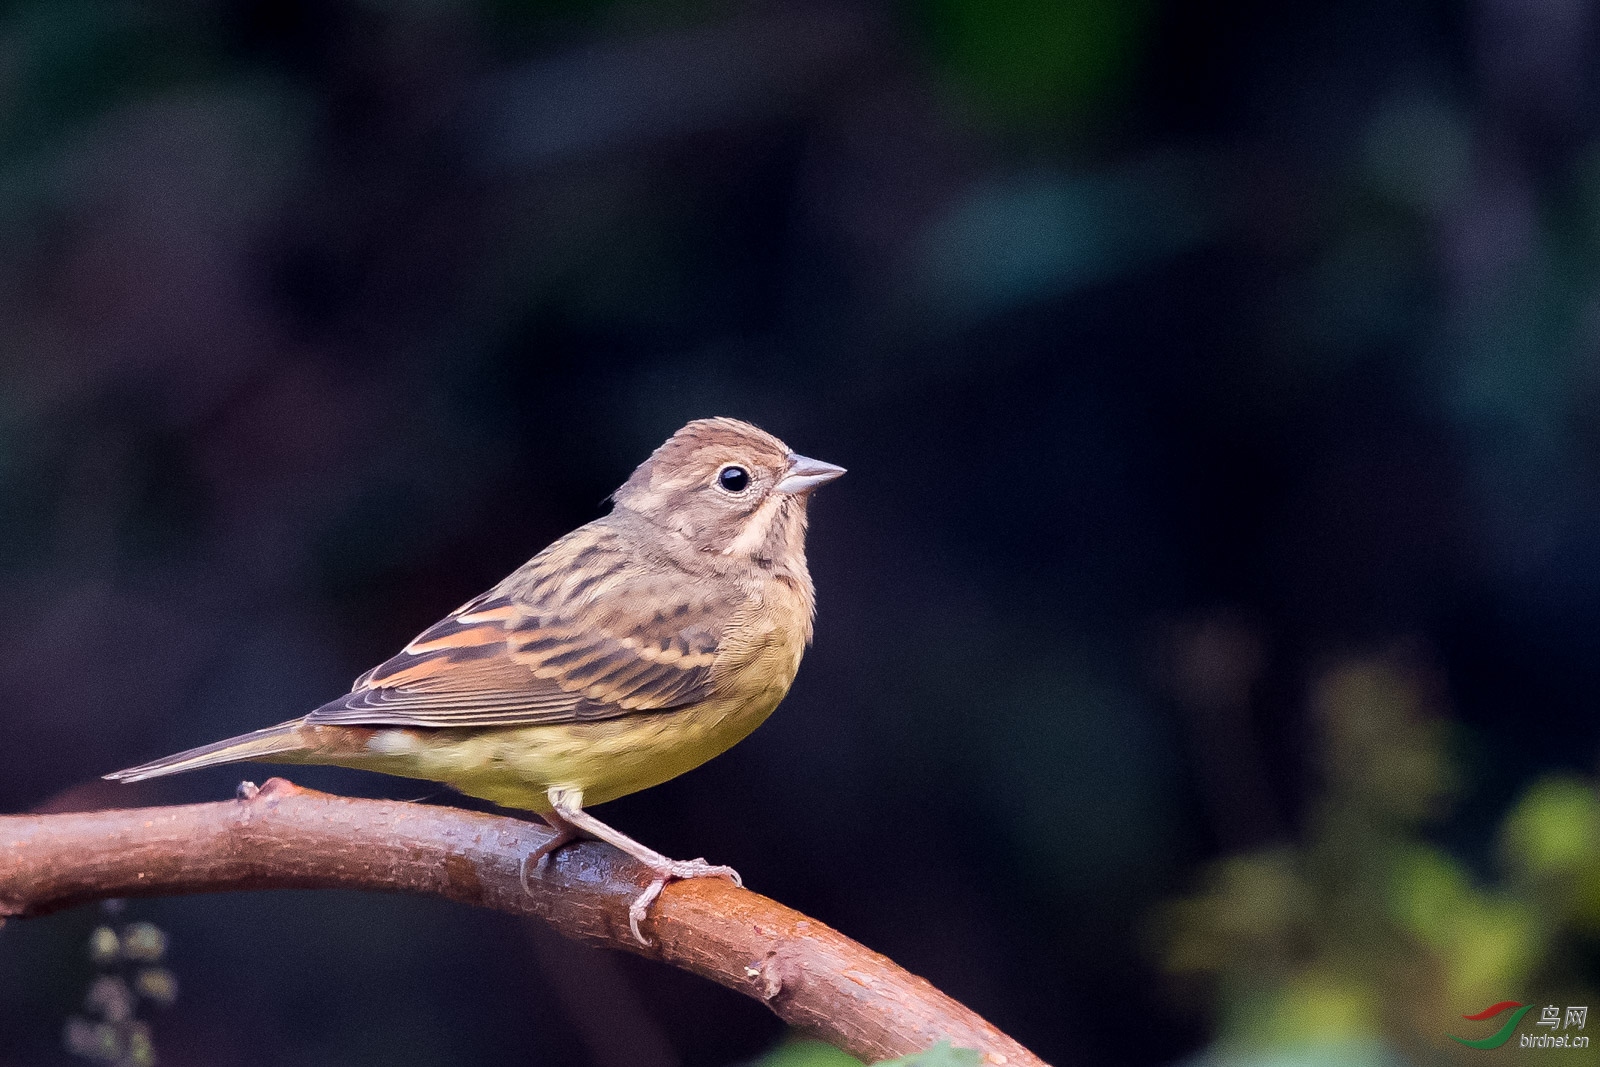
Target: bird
x=629, y=651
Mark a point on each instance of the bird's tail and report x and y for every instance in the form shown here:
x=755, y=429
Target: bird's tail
x=258, y=745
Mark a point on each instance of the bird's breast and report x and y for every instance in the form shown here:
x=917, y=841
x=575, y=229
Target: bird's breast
x=763, y=643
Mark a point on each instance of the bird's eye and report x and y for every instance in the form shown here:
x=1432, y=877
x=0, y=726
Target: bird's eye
x=733, y=479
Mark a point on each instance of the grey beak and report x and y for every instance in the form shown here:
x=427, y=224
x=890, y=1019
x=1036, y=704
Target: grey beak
x=805, y=474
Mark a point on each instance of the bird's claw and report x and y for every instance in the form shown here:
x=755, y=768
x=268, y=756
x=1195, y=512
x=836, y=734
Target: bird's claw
x=534, y=858
x=672, y=871
x=641, y=905
x=701, y=869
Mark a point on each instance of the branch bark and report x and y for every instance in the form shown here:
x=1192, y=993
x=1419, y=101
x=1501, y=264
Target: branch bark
x=285, y=837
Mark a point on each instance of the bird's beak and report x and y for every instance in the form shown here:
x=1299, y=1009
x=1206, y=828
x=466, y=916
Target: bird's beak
x=805, y=474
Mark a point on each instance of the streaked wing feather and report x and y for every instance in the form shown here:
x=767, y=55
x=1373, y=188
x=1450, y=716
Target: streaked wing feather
x=550, y=646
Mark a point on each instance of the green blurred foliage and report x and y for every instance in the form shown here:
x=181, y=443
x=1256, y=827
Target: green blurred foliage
x=940, y=1055
x=1551, y=846
x=1365, y=941
x=1031, y=60
x=802, y=1053
x=126, y=976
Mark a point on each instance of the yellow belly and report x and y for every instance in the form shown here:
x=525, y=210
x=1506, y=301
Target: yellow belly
x=515, y=765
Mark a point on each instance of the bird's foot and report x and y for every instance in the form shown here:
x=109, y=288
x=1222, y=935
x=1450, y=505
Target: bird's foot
x=563, y=836
x=669, y=871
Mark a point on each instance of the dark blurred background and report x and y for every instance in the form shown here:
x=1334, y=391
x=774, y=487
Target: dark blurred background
x=1210, y=621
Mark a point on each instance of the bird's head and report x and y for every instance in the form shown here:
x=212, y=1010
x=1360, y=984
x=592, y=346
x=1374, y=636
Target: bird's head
x=729, y=488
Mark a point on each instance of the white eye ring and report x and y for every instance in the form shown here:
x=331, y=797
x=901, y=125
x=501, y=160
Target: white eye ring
x=733, y=479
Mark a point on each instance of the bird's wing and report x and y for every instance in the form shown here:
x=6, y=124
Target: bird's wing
x=584, y=631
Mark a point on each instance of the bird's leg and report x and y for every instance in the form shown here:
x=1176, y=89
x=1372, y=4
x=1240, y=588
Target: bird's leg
x=568, y=805
x=565, y=834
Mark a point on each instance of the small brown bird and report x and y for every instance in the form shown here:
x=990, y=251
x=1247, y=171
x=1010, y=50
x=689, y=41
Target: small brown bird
x=631, y=650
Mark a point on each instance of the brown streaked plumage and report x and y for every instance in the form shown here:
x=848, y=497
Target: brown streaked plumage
x=629, y=651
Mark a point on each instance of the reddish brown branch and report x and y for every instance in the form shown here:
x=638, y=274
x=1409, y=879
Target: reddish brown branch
x=286, y=837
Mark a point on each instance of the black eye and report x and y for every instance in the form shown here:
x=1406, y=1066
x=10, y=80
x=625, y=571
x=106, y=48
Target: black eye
x=733, y=479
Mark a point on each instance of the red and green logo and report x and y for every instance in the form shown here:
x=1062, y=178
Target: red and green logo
x=1500, y=1036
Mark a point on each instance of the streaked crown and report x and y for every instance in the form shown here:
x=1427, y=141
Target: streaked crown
x=717, y=482
x=689, y=458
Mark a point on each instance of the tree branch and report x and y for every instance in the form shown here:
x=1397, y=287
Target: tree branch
x=285, y=837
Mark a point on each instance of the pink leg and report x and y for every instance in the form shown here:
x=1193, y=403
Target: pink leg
x=565, y=834
x=568, y=805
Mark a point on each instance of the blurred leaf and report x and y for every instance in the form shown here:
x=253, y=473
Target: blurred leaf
x=1033, y=58
x=1555, y=829
x=821, y=1054
x=143, y=942
x=92, y=1041
x=1382, y=743
x=1356, y=1053
x=1313, y=1006
x=110, y=998
x=1551, y=840
x=1484, y=941
x=158, y=985
x=940, y=1055
x=1253, y=908
x=805, y=1053
x=104, y=946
